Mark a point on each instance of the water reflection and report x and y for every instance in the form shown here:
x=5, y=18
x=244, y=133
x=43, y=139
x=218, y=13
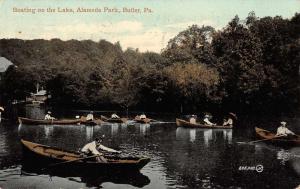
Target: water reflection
x=144, y=128
x=208, y=136
x=90, y=179
x=89, y=132
x=48, y=130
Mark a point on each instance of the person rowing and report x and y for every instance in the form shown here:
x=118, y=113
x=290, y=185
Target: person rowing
x=283, y=131
x=48, y=116
x=207, y=120
x=91, y=149
x=193, y=119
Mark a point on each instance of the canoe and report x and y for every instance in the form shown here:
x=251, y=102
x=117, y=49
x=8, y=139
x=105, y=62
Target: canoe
x=113, y=120
x=146, y=120
x=270, y=137
x=183, y=123
x=23, y=120
x=46, y=156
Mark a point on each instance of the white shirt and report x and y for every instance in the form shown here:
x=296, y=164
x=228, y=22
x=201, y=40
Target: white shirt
x=48, y=117
x=114, y=116
x=228, y=122
x=90, y=117
x=283, y=131
x=92, y=147
x=192, y=120
x=207, y=122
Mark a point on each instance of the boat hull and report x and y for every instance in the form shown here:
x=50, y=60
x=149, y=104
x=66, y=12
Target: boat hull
x=270, y=138
x=183, y=123
x=48, y=157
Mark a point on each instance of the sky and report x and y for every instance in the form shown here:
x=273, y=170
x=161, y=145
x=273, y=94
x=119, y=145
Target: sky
x=146, y=30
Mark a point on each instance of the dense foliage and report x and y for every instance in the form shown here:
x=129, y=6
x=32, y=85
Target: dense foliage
x=247, y=66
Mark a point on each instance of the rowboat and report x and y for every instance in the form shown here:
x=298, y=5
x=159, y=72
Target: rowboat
x=183, y=123
x=139, y=120
x=82, y=120
x=113, y=120
x=46, y=156
x=23, y=120
x=271, y=137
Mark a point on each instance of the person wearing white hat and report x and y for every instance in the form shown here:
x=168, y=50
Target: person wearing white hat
x=207, y=121
x=283, y=131
x=48, y=116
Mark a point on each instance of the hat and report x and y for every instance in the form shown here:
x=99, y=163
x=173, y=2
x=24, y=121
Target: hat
x=49, y=112
x=77, y=117
x=283, y=123
x=91, y=112
x=100, y=138
x=206, y=116
x=233, y=115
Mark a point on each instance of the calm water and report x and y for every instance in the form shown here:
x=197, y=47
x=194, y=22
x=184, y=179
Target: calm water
x=180, y=158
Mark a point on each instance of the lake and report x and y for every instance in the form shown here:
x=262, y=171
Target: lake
x=180, y=157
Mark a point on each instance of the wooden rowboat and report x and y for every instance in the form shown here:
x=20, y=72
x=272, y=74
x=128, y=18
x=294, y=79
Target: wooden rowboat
x=82, y=120
x=46, y=156
x=113, y=120
x=183, y=123
x=271, y=137
x=23, y=120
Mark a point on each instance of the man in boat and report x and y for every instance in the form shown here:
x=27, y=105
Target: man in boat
x=48, y=116
x=229, y=120
x=90, y=116
x=207, y=120
x=193, y=119
x=283, y=131
x=143, y=116
x=114, y=116
x=91, y=149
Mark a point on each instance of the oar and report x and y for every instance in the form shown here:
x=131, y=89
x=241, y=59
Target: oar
x=251, y=142
x=55, y=164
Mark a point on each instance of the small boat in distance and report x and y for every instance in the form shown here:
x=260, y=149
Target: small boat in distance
x=82, y=120
x=28, y=121
x=50, y=157
x=183, y=123
x=268, y=136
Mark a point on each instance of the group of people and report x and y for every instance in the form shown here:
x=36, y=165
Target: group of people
x=206, y=120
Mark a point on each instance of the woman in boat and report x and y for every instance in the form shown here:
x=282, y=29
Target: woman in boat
x=193, y=119
x=207, y=121
x=48, y=116
x=91, y=149
x=283, y=131
x=90, y=116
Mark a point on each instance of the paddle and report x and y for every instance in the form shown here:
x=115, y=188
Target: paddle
x=251, y=142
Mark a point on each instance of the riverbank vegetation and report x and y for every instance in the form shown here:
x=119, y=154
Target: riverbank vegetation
x=248, y=66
